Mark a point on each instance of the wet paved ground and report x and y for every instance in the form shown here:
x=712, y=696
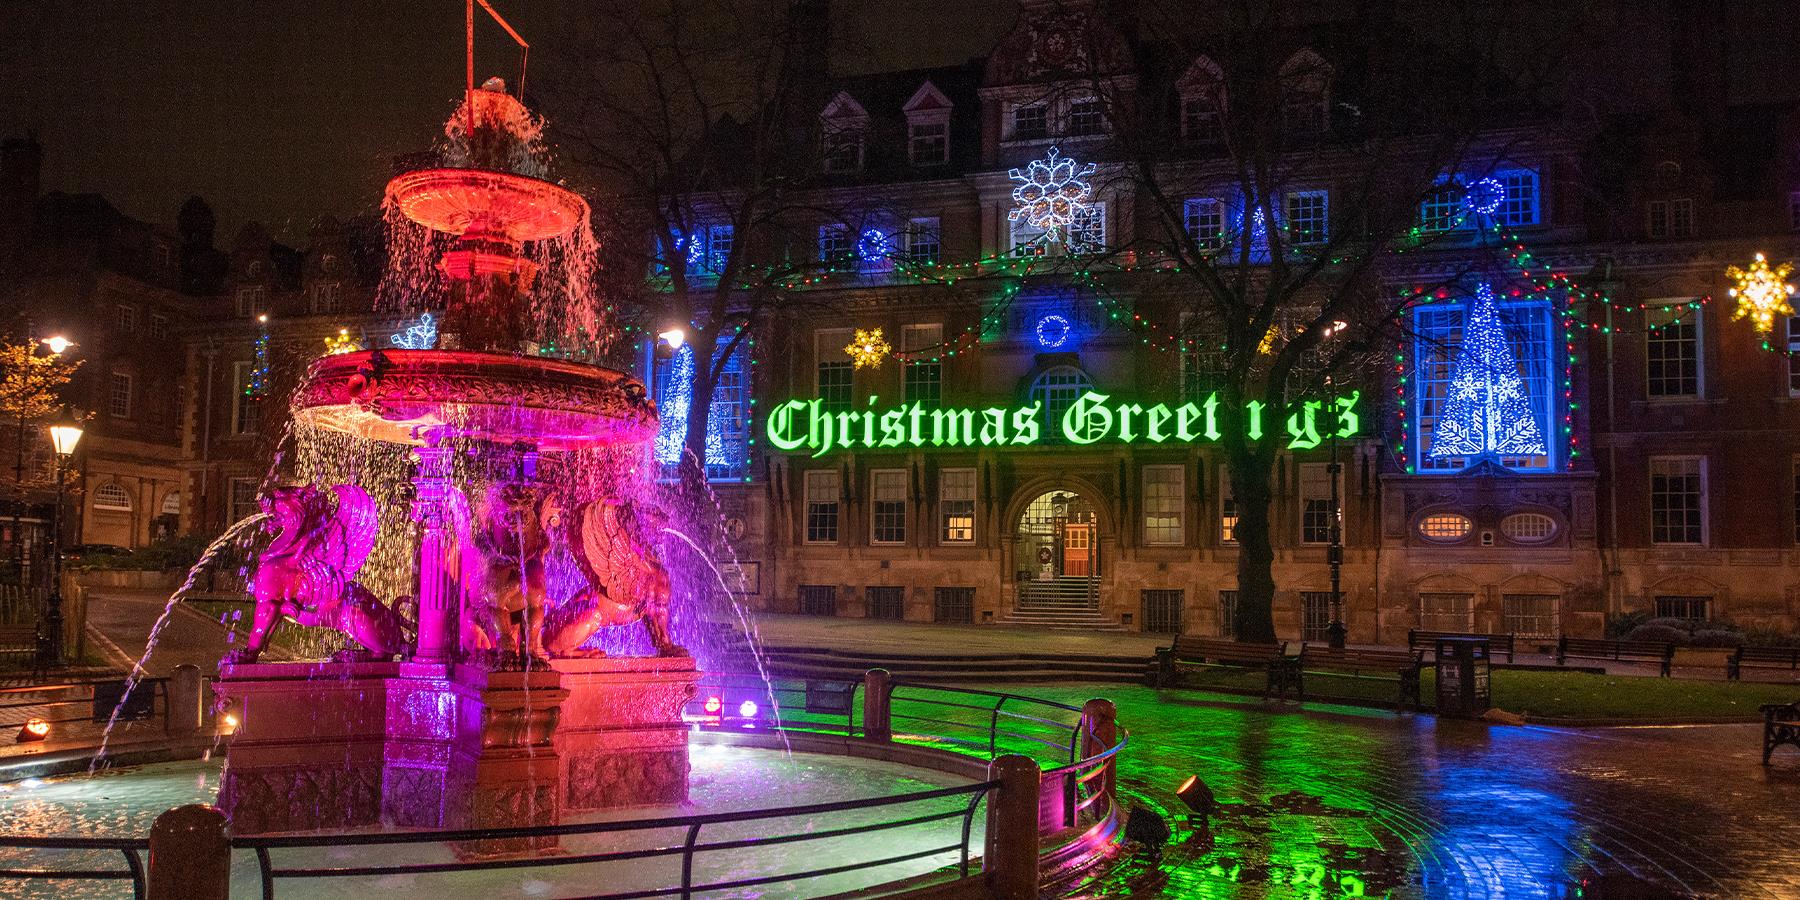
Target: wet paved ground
x=1340, y=802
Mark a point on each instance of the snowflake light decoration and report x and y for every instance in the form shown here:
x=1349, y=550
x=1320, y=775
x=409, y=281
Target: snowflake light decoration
x=1051, y=192
x=1488, y=411
x=420, y=335
x=868, y=349
x=1762, y=293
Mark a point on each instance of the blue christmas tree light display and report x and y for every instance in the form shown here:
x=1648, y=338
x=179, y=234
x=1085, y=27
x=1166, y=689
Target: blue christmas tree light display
x=677, y=397
x=1488, y=412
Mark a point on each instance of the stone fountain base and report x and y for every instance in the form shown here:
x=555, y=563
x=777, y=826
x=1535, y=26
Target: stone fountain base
x=340, y=745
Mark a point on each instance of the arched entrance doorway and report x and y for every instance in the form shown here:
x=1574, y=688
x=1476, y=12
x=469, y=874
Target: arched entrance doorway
x=1058, y=552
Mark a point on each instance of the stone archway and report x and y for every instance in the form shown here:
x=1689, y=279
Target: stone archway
x=1057, y=537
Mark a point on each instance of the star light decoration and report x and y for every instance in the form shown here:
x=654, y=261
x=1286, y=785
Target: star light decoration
x=1762, y=293
x=1051, y=192
x=1488, y=411
x=341, y=342
x=420, y=335
x=868, y=349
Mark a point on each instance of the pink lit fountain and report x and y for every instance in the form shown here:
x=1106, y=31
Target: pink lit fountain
x=469, y=702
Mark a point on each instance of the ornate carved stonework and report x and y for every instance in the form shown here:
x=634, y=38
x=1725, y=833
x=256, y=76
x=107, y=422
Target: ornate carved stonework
x=300, y=798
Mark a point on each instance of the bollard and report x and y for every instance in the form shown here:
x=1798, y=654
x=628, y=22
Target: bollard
x=1099, y=732
x=190, y=856
x=1011, y=861
x=186, y=687
x=877, y=723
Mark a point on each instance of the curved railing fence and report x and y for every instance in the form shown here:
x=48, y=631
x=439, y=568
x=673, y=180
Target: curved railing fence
x=1049, y=770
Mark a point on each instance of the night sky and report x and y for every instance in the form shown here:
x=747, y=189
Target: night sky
x=283, y=111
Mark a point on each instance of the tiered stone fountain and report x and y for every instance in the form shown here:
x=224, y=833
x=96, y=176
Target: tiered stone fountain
x=481, y=710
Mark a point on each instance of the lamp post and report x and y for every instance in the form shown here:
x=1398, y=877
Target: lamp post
x=56, y=344
x=64, y=435
x=1334, y=554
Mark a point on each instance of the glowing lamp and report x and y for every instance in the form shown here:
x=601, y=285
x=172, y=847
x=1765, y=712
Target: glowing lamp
x=1196, y=795
x=228, y=723
x=32, y=731
x=65, y=434
x=747, y=709
x=56, y=344
x=674, y=337
x=712, y=706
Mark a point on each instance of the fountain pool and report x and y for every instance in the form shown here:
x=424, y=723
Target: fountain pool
x=723, y=778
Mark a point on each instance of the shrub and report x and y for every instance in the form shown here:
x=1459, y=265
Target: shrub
x=1650, y=631
x=1685, y=626
x=1619, y=626
x=1760, y=636
x=1716, y=637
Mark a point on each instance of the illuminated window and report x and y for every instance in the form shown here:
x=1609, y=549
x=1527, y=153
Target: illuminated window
x=1519, y=203
x=922, y=242
x=1445, y=527
x=887, y=505
x=1308, y=217
x=1057, y=388
x=1204, y=220
x=719, y=241
x=1437, y=342
x=1528, y=528
x=1447, y=612
x=1163, y=504
x=252, y=300
x=112, y=495
x=822, y=496
x=1228, y=515
x=1442, y=209
x=118, y=395
x=835, y=245
x=923, y=381
x=1677, y=500
x=956, y=505
x=1672, y=348
x=1793, y=355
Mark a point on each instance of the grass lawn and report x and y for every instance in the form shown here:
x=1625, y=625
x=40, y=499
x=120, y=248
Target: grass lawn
x=1549, y=695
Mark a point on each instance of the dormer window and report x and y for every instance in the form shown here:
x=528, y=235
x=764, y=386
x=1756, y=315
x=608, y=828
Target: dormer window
x=1086, y=117
x=1671, y=218
x=1031, y=122
x=844, y=128
x=326, y=297
x=1202, y=96
x=1305, y=94
x=928, y=126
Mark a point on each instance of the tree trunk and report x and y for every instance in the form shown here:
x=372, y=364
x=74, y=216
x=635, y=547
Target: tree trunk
x=1249, y=470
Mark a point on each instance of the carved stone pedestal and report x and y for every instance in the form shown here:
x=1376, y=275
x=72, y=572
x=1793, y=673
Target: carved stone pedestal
x=622, y=741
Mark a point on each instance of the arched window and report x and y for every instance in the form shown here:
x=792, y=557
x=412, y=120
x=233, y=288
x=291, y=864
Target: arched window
x=1305, y=94
x=112, y=495
x=1056, y=388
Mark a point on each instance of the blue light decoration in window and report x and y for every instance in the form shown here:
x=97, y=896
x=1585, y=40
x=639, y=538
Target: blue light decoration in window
x=1490, y=399
x=1053, y=331
x=727, y=423
x=1483, y=196
x=874, y=246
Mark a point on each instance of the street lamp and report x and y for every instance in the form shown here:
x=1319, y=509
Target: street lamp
x=65, y=433
x=56, y=344
x=1334, y=554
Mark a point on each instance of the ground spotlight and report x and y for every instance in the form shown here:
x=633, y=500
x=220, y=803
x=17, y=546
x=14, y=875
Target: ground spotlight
x=747, y=709
x=712, y=706
x=1196, y=795
x=33, y=730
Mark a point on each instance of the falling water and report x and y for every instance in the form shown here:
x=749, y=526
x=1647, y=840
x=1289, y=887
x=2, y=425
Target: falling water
x=751, y=637
x=137, y=669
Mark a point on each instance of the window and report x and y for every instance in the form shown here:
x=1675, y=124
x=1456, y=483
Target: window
x=886, y=602
x=159, y=328
x=835, y=245
x=1057, y=388
x=928, y=143
x=252, y=300
x=1086, y=234
x=887, y=505
x=1437, y=342
x=1447, y=612
x=112, y=495
x=728, y=421
x=923, y=381
x=818, y=599
x=1315, y=615
x=1086, y=117
x=1519, y=198
x=923, y=245
x=1163, y=504
x=1445, y=527
x=843, y=148
x=1162, y=611
x=1031, y=123
x=1677, y=500
x=1228, y=514
x=1793, y=346
x=1682, y=607
x=171, y=505
x=1200, y=121
x=1204, y=220
x=1442, y=209
x=836, y=373
x=1316, y=514
x=1305, y=108
x=719, y=241
x=1529, y=616
x=1672, y=348
x=1307, y=217
x=243, y=498
x=954, y=605
x=1797, y=499
x=956, y=506
x=1202, y=364
x=246, y=410
x=325, y=297
x=118, y=395
x=125, y=317
x=1671, y=218
x=1227, y=613
x=1528, y=528
x=822, y=494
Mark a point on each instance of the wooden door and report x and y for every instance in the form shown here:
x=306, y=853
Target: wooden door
x=1078, y=549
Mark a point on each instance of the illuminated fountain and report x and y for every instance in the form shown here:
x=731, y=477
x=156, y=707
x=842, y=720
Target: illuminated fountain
x=471, y=699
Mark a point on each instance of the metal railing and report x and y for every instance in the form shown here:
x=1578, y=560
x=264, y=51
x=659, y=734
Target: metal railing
x=12, y=717
x=130, y=847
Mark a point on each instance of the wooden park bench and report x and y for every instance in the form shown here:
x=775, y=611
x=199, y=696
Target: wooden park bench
x=1364, y=664
x=1781, y=725
x=1282, y=668
x=20, y=641
x=1426, y=641
x=1662, y=652
x=1773, y=657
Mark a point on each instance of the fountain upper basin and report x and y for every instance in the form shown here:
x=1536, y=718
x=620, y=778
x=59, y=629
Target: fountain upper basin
x=456, y=201
x=552, y=404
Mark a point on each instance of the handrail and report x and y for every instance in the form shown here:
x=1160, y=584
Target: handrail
x=129, y=847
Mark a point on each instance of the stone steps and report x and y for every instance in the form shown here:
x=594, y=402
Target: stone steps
x=802, y=662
